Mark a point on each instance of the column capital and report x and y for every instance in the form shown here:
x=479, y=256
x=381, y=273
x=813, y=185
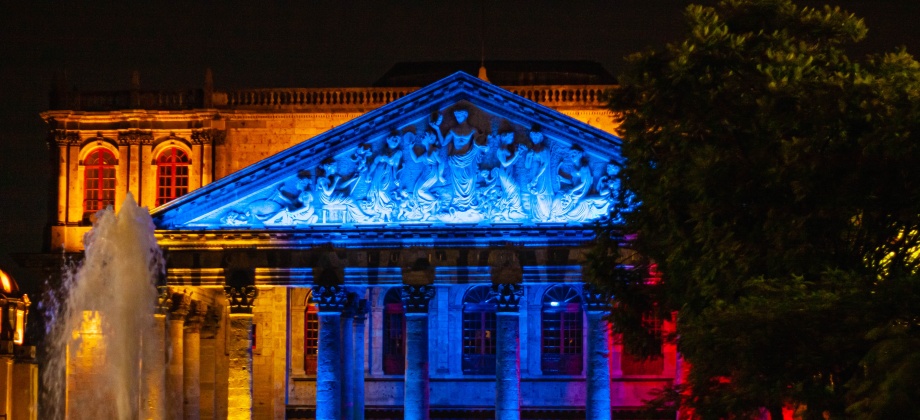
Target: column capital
x=330, y=298
x=180, y=303
x=164, y=300
x=196, y=316
x=595, y=299
x=241, y=299
x=507, y=296
x=415, y=298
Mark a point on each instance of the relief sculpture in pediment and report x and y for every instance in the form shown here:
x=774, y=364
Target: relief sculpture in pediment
x=459, y=165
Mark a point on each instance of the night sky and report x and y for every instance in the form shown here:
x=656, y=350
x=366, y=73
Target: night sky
x=301, y=44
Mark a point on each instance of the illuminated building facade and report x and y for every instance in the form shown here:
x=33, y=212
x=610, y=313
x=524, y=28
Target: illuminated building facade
x=380, y=252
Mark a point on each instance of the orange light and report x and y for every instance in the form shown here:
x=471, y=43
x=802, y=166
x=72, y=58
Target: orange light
x=6, y=282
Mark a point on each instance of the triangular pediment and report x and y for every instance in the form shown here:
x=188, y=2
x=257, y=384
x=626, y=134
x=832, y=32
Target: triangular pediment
x=459, y=151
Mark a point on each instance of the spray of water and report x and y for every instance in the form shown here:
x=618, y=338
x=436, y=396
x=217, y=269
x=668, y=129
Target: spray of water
x=100, y=318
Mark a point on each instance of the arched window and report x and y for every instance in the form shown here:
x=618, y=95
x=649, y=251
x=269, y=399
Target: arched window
x=172, y=175
x=98, y=180
x=562, y=325
x=394, y=333
x=478, y=331
x=310, y=336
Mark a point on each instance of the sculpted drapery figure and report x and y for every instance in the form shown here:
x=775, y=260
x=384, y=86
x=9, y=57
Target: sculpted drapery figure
x=335, y=194
x=573, y=204
x=383, y=180
x=541, y=187
x=507, y=154
x=427, y=153
x=447, y=175
x=463, y=153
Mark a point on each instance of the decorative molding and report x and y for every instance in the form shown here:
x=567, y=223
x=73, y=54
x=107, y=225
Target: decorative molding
x=135, y=137
x=330, y=298
x=507, y=296
x=195, y=276
x=209, y=136
x=180, y=305
x=66, y=137
x=415, y=298
x=241, y=299
x=595, y=299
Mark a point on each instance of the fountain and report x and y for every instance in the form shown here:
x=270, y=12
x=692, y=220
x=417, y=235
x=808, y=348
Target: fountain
x=101, y=322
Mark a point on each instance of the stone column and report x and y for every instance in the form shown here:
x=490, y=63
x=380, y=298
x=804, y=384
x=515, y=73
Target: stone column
x=358, y=372
x=508, y=351
x=208, y=366
x=6, y=382
x=239, y=349
x=348, y=361
x=191, y=361
x=330, y=300
x=154, y=364
x=175, y=376
x=417, y=393
x=597, y=404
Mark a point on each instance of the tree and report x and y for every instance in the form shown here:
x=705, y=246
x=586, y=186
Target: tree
x=775, y=183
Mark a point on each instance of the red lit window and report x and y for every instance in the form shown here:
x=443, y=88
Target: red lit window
x=394, y=333
x=633, y=365
x=478, y=332
x=172, y=175
x=98, y=180
x=562, y=325
x=310, y=339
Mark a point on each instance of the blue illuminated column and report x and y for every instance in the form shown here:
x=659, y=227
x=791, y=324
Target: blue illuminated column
x=358, y=372
x=597, y=405
x=330, y=301
x=508, y=351
x=417, y=393
x=348, y=361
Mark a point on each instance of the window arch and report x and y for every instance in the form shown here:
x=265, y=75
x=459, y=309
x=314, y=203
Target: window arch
x=479, y=331
x=98, y=180
x=310, y=336
x=562, y=327
x=394, y=333
x=172, y=174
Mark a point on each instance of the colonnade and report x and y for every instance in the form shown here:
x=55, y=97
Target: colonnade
x=340, y=358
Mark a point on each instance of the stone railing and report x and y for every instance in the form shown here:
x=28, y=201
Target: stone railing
x=564, y=96
x=358, y=99
x=309, y=97
x=129, y=99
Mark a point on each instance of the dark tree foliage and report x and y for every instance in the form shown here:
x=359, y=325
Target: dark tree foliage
x=776, y=184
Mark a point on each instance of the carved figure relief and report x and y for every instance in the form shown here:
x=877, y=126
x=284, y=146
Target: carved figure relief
x=448, y=168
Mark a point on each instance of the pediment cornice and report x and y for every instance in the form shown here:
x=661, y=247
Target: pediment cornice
x=460, y=151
